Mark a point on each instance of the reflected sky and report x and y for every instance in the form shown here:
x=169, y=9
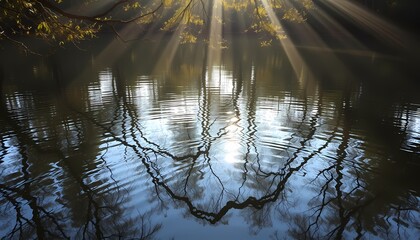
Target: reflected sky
x=235, y=146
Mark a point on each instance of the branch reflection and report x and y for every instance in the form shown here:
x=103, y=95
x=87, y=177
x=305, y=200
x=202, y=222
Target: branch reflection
x=95, y=158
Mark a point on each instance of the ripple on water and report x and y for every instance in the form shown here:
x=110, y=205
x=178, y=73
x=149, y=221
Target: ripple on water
x=411, y=127
x=127, y=143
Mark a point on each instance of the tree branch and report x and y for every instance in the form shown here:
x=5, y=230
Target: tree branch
x=97, y=18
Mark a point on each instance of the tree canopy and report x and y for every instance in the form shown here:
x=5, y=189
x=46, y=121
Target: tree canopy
x=62, y=21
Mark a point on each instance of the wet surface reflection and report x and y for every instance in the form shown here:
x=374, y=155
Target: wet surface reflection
x=233, y=146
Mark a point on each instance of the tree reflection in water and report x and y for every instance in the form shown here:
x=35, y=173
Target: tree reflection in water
x=95, y=159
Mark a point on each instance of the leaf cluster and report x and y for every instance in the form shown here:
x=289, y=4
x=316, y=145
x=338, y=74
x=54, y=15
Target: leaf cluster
x=34, y=19
x=62, y=21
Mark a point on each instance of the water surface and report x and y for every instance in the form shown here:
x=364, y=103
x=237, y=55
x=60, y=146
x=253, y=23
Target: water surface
x=142, y=140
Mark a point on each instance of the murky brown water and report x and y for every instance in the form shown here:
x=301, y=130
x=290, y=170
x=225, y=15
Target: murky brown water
x=139, y=141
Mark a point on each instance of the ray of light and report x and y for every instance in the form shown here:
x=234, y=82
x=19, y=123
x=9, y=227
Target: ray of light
x=109, y=55
x=327, y=58
x=214, y=48
x=167, y=56
x=369, y=21
x=334, y=29
x=114, y=49
x=215, y=35
x=299, y=66
x=118, y=45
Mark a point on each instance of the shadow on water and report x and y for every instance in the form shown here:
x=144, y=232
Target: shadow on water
x=93, y=147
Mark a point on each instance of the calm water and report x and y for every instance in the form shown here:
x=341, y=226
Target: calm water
x=147, y=141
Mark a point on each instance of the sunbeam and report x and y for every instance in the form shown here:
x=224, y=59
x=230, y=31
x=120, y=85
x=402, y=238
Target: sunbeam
x=299, y=66
x=167, y=56
x=330, y=26
x=366, y=19
x=214, y=48
x=215, y=36
x=327, y=58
